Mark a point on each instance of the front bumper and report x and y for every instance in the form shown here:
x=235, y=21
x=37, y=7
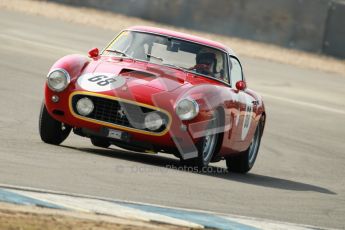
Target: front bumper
x=64, y=111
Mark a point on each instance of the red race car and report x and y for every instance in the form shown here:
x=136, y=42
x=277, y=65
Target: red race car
x=157, y=90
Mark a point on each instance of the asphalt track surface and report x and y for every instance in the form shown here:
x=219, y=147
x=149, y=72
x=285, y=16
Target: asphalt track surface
x=299, y=175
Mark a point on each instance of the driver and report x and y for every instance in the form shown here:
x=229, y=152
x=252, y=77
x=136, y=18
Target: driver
x=206, y=64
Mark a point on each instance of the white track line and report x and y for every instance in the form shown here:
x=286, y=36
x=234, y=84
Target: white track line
x=307, y=104
x=36, y=43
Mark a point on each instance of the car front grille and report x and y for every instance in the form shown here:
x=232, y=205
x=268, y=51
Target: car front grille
x=118, y=112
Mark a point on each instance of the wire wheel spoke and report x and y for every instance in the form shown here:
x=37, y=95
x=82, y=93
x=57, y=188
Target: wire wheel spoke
x=209, y=142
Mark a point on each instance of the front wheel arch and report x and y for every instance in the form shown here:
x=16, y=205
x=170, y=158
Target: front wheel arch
x=221, y=117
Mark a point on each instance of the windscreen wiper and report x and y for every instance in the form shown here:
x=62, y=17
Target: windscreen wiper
x=152, y=56
x=166, y=64
x=119, y=52
x=175, y=66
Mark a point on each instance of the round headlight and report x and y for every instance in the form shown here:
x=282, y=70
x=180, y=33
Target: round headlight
x=153, y=121
x=85, y=106
x=187, y=109
x=58, y=80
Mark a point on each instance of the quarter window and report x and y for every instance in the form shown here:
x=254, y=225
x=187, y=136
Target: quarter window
x=235, y=71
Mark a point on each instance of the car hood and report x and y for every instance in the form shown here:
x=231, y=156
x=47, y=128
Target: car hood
x=129, y=73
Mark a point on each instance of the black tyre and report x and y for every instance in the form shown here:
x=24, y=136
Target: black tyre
x=52, y=131
x=206, y=146
x=99, y=142
x=244, y=161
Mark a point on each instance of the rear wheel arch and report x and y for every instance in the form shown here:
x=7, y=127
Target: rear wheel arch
x=262, y=122
x=243, y=162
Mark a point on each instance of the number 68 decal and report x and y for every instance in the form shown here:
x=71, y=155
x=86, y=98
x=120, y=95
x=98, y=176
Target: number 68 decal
x=99, y=82
x=102, y=80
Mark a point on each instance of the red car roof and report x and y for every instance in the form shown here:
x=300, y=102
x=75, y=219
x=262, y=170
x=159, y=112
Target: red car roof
x=182, y=36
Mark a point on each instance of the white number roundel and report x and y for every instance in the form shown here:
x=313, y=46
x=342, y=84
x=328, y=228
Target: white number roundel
x=99, y=82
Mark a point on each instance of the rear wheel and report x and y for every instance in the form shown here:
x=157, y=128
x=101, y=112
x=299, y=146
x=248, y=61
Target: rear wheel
x=243, y=162
x=52, y=131
x=206, y=146
x=99, y=142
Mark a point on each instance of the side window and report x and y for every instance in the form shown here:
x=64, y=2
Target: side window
x=235, y=71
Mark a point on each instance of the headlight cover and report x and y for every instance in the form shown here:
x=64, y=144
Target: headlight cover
x=187, y=109
x=58, y=80
x=85, y=106
x=153, y=121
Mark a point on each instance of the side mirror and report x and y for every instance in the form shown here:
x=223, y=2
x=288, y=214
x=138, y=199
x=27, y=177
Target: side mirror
x=94, y=52
x=241, y=85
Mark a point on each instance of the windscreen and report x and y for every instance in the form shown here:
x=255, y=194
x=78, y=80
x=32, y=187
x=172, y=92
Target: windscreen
x=164, y=50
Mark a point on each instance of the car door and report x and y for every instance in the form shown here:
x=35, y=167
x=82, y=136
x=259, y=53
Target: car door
x=242, y=122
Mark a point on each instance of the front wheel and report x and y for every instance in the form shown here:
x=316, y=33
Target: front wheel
x=52, y=131
x=244, y=161
x=207, y=145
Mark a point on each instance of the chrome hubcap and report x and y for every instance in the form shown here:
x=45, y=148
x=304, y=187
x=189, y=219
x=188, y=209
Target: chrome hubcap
x=209, y=144
x=63, y=127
